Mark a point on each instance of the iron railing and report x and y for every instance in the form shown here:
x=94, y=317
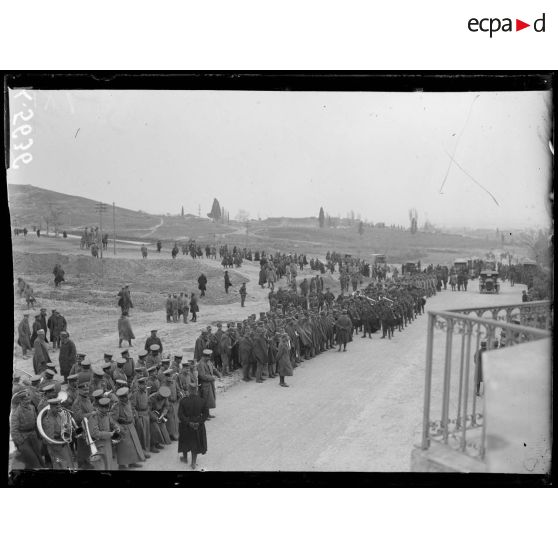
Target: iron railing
x=451, y=375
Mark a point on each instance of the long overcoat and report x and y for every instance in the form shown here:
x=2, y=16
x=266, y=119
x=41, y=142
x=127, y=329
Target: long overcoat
x=207, y=383
x=192, y=409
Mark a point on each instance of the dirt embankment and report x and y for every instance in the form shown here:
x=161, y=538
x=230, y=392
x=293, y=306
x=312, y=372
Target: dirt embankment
x=94, y=281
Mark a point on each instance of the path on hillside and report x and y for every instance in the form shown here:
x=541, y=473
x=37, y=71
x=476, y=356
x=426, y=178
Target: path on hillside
x=354, y=411
x=153, y=229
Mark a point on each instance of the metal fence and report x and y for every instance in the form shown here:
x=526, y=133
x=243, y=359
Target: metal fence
x=453, y=364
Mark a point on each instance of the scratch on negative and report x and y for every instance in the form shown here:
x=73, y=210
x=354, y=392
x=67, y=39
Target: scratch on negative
x=452, y=160
x=458, y=139
x=77, y=133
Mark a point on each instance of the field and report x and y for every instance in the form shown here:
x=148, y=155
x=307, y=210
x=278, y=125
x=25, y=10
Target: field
x=28, y=203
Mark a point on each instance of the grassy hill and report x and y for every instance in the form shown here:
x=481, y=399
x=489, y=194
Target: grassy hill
x=29, y=206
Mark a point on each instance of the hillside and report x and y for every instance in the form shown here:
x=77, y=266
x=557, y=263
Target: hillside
x=29, y=206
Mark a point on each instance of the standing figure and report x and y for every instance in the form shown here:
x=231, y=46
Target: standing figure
x=202, y=284
x=125, y=332
x=128, y=451
x=58, y=274
x=23, y=429
x=103, y=430
x=194, y=308
x=53, y=424
x=40, y=353
x=284, y=365
x=227, y=282
x=24, y=335
x=206, y=378
x=192, y=414
x=67, y=355
x=343, y=328
x=242, y=292
x=144, y=251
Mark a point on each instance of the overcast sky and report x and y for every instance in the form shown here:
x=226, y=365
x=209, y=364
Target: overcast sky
x=288, y=153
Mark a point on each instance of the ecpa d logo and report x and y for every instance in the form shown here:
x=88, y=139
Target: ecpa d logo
x=492, y=25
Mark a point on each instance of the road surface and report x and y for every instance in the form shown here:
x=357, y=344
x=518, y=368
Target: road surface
x=354, y=411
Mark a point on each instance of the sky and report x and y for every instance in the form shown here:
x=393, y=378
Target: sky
x=272, y=154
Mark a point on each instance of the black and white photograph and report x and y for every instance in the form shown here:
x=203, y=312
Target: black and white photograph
x=281, y=274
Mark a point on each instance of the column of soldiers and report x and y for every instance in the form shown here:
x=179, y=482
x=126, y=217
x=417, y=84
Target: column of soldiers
x=106, y=418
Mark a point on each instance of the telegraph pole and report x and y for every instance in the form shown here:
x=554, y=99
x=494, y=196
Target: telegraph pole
x=100, y=208
x=114, y=226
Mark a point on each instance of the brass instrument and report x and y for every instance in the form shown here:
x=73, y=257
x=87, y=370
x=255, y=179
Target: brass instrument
x=160, y=418
x=69, y=429
x=95, y=455
x=116, y=437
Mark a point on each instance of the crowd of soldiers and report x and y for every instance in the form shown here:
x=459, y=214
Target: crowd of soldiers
x=119, y=414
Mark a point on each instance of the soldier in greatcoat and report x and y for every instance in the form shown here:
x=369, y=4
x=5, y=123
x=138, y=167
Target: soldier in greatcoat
x=207, y=374
x=103, y=430
x=23, y=429
x=24, y=335
x=40, y=353
x=67, y=355
x=128, y=451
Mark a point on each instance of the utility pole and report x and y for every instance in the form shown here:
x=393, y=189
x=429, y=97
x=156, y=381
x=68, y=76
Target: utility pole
x=114, y=226
x=100, y=208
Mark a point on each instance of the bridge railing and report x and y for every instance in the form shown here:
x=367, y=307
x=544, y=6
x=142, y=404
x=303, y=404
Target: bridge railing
x=453, y=410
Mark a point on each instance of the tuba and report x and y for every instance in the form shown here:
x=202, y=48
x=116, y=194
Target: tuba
x=69, y=426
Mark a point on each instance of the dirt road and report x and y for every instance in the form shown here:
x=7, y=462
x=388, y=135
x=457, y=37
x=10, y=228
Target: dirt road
x=354, y=411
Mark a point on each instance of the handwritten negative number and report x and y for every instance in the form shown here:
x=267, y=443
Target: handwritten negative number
x=21, y=146
x=25, y=130
x=21, y=115
x=24, y=158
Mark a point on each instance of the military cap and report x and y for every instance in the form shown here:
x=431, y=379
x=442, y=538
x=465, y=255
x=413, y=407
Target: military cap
x=154, y=330
x=103, y=402
x=19, y=394
x=177, y=357
x=121, y=382
x=86, y=362
x=238, y=324
x=83, y=379
x=109, y=355
x=219, y=324
x=50, y=387
x=40, y=332
x=141, y=379
x=208, y=328
x=38, y=378
x=26, y=314
x=58, y=378
x=207, y=352
x=100, y=372
x=54, y=401
x=64, y=333
x=154, y=347
x=164, y=391
x=165, y=360
x=186, y=364
x=81, y=355
x=191, y=361
x=122, y=392
x=124, y=351
x=140, y=369
x=120, y=361
x=151, y=368
x=43, y=309
x=98, y=393
x=105, y=366
x=143, y=353
x=50, y=371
